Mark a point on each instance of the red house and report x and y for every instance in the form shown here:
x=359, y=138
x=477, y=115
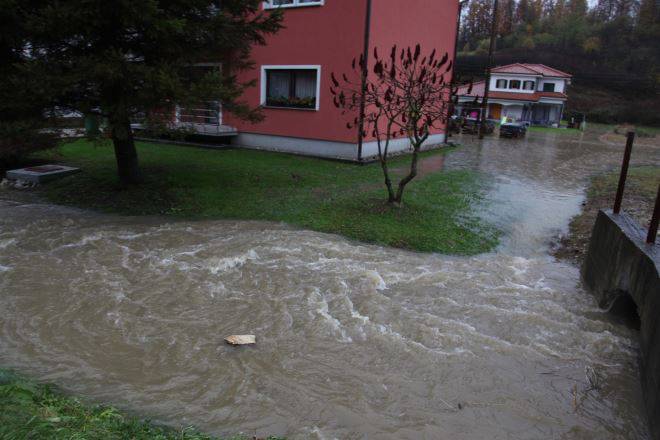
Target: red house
x=293, y=72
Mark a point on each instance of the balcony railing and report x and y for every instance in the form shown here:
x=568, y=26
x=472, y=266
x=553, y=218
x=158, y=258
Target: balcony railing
x=208, y=113
x=205, y=118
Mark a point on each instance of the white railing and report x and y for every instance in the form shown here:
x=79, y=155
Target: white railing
x=205, y=118
x=208, y=113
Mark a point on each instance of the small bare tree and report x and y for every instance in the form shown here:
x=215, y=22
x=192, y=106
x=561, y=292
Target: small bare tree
x=407, y=95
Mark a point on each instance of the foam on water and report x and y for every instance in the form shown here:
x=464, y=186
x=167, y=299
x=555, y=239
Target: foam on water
x=374, y=276
x=217, y=265
x=5, y=243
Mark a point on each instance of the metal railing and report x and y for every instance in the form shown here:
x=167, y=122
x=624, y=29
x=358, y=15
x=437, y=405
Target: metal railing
x=618, y=200
x=206, y=113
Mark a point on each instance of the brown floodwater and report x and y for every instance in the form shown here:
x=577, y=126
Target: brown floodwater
x=354, y=341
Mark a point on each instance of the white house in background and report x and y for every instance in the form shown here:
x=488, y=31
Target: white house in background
x=532, y=93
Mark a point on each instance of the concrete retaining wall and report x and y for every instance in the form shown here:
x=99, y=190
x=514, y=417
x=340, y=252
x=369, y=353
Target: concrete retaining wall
x=619, y=262
x=327, y=149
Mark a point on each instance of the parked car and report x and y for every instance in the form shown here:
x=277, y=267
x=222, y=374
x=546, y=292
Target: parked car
x=513, y=130
x=454, y=124
x=471, y=126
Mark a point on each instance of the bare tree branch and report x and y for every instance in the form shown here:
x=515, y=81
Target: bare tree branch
x=407, y=95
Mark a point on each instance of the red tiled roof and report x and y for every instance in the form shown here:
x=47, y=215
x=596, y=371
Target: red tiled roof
x=520, y=69
x=478, y=90
x=531, y=69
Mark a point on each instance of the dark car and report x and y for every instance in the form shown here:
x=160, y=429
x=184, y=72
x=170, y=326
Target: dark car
x=471, y=126
x=454, y=124
x=513, y=130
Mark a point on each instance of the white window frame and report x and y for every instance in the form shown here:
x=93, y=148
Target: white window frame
x=552, y=83
x=264, y=85
x=520, y=82
x=525, y=81
x=506, y=83
x=268, y=4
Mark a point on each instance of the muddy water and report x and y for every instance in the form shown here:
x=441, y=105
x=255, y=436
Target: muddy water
x=354, y=341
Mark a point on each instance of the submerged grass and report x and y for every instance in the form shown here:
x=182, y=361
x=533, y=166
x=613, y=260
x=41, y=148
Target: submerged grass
x=321, y=195
x=568, y=131
x=595, y=128
x=34, y=411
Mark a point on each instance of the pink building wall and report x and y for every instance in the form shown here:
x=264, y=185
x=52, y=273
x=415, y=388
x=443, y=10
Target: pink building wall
x=331, y=35
x=406, y=23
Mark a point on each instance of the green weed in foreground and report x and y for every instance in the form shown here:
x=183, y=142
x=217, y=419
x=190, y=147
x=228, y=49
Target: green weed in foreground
x=32, y=411
x=316, y=194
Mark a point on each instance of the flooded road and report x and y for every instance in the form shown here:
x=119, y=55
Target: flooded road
x=354, y=341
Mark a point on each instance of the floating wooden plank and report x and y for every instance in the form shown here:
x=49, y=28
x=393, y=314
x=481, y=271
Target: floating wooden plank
x=241, y=340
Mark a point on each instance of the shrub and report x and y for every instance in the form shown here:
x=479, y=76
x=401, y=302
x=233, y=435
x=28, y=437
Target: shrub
x=20, y=138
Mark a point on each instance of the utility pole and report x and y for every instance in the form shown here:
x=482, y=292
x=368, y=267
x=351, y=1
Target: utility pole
x=365, y=74
x=484, y=102
x=461, y=4
x=452, y=84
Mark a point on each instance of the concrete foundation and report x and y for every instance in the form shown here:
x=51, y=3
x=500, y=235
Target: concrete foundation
x=41, y=173
x=620, y=263
x=327, y=149
x=401, y=145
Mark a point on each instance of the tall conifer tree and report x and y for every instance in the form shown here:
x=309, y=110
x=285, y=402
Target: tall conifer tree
x=126, y=57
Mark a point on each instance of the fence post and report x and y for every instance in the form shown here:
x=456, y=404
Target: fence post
x=653, y=227
x=624, y=172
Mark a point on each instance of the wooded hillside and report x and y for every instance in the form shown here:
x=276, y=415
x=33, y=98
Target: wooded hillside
x=611, y=48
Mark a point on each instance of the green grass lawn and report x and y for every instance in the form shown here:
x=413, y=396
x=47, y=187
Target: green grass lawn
x=538, y=129
x=33, y=411
x=638, y=201
x=596, y=128
x=642, y=181
x=317, y=194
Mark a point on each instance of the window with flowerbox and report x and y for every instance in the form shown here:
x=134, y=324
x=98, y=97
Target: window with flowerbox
x=295, y=87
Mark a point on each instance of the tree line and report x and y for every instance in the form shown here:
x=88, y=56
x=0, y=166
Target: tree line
x=612, y=45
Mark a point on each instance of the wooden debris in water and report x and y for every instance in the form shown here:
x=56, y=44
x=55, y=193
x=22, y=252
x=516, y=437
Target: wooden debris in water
x=593, y=377
x=241, y=340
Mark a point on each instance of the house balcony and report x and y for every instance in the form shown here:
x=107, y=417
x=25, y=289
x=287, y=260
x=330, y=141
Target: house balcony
x=203, y=119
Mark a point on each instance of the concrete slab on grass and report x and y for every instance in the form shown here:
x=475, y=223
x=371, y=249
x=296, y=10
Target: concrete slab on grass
x=41, y=173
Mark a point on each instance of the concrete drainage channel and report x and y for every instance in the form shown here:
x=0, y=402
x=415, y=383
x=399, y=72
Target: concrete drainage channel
x=621, y=265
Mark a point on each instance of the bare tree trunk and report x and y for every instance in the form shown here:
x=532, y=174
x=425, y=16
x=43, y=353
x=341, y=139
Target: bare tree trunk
x=411, y=175
x=128, y=168
x=388, y=181
x=383, y=156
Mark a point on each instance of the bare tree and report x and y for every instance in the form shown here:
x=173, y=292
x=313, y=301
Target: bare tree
x=407, y=95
